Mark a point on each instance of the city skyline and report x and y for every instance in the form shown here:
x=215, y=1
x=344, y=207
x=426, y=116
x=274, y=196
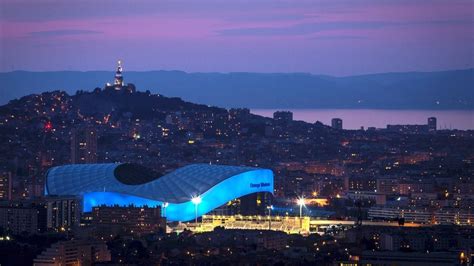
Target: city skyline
x=269, y=132
x=323, y=37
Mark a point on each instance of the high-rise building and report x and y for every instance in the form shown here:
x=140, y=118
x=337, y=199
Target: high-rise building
x=51, y=213
x=63, y=212
x=432, y=124
x=83, y=146
x=5, y=185
x=283, y=116
x=18, y=218
x=74, y=252
x=336, y=123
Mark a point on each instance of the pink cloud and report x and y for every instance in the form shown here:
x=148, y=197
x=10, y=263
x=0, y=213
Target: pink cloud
x=262, y=36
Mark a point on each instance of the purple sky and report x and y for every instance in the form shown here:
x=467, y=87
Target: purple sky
x=324, y=37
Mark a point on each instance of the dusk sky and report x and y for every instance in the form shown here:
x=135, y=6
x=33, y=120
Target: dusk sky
x=322, y=37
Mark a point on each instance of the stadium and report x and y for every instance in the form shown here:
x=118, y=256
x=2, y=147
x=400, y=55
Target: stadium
x=184, y=194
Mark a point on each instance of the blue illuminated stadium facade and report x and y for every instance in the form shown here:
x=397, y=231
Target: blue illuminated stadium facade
x=125, y=184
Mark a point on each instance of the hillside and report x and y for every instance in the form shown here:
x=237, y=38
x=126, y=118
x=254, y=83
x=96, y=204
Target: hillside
x=412, y=90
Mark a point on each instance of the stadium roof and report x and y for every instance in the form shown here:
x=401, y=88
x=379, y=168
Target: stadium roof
x=112, y=184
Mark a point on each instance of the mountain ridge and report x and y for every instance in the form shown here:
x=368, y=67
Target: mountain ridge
x=450, y=89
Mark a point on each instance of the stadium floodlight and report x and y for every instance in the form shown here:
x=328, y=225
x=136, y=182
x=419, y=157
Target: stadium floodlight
x=270, y=208
x=301, y=203
x=164, y=206
x=196, y=201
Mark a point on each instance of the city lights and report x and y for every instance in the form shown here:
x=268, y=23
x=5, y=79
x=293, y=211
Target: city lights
x=354, y=149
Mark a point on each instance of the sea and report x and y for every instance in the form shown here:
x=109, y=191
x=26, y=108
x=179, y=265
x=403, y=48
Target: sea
x=357, y=118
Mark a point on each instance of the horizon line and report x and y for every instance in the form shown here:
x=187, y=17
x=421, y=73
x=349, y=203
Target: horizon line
x=245, y=72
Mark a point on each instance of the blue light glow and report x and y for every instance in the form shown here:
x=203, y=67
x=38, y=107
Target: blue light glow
x=236, y=186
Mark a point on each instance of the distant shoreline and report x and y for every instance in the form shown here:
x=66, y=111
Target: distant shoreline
x=379, y=118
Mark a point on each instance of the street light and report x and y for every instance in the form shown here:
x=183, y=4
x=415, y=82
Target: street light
x=270, y=208
x=196, y=201
x=165, y=205
x=300, y=202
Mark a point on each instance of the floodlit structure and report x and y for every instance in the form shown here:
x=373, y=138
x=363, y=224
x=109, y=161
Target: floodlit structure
x=301, y=203
x=185, y=193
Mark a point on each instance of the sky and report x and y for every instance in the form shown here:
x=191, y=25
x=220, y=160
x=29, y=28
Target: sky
x=333, y=37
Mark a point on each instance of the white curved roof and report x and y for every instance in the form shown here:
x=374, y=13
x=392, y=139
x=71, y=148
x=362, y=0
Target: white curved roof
x=175, y=187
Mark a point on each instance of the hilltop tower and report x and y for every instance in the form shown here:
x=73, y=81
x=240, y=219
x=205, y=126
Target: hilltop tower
x=118, y=81
x=119, y=85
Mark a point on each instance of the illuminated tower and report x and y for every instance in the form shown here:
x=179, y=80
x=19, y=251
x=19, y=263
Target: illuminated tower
x=118, y=82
